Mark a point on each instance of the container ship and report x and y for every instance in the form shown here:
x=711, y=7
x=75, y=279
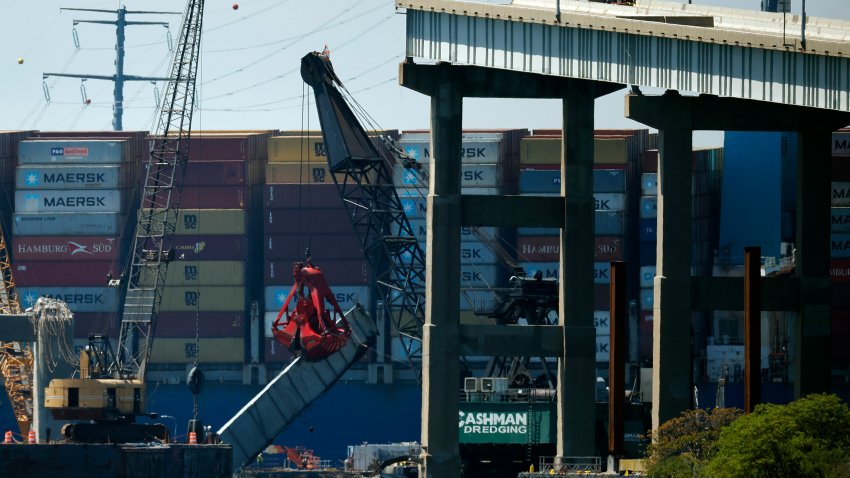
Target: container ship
x=254, y=201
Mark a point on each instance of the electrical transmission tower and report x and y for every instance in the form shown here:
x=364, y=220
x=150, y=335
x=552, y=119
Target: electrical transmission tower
x=119, y=77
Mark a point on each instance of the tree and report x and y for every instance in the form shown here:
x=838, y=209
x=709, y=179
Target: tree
x=809, y=437
x=683, y=446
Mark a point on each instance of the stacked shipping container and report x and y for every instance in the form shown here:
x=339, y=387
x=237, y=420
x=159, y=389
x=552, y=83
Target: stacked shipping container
x=209, y=289
x=489, y=166
x=9, y=141
x=840, y=250
x=303, y=208
x=617, y=155
x=71, y=226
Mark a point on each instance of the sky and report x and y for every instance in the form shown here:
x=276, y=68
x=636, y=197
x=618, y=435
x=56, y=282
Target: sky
x=249, y=76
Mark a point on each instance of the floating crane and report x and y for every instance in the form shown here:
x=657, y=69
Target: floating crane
x=111, y=389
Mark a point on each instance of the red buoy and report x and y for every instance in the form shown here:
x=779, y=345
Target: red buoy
x=236, y=6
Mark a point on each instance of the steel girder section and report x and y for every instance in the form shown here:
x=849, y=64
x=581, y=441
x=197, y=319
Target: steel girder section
x=633, y=57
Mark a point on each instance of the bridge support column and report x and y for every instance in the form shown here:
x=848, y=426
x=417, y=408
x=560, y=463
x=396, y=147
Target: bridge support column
x=577, y=368
x=440, y=339
x=671, y=335
x=812, y=332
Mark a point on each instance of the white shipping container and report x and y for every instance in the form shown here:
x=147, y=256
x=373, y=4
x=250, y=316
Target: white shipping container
x=414, y=202
x=68, y=151
x=79, y=299
x=603, y=350
x=480, y=150
x=67, y=224
x=471, y=176
x=602, y=322
x=107, y=200
x=52, y=176
x=609, y=201
x=346, y=296
x=840, y=193
x=647, y=276
x=648, y=207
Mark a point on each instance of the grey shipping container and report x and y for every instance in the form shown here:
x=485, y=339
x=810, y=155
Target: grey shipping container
x=471, y=151
x=840, y=219
x=649, y=184
x=472, y=175
x=71, y=151
x=106, y=200
x=54, y=176
x=79, y=299
x=68, y=224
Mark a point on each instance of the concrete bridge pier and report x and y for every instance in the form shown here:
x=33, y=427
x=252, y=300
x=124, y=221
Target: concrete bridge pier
x=445, y=340
x=677, y=293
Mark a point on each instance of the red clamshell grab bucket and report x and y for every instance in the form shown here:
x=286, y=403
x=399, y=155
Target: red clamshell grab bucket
x=310, y=329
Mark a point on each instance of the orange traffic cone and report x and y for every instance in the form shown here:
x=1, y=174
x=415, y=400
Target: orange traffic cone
x=31, y=437
x=193, y=438
x=7, y=440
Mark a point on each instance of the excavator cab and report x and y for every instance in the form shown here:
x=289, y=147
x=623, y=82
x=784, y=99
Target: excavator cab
x=310, y=329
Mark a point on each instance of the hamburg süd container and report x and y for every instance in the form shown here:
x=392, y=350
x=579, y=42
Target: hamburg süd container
x=52, y=201
x=548, y=248
x=345, y=295
x=64, y=273
x=68, y=224
x=212, y=247
x=609, y=248
x=839, y=270
x=79, y=299
x=71, y=176
x=211, y=222
x=66, y=248
x=203, y=299
x=71, y=151
x=212, y=350
x=210, y=324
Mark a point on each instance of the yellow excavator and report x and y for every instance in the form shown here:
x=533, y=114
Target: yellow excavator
x=109, y=393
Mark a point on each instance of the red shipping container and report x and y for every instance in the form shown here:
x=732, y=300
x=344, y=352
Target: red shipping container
x=336, y=272
x=301, y=195
x=650, y=161
x=839, y=270
x=210, y=324
x=841, y=169
x=322, y=247
x=841, y=296
x=840, y=322
x=212, y=197
x=307, y=220
x=211, y=248
x=212, y=173
x=548, y=248
x=60, y=248
x=102, y=323
x=608, y=248
x=64, y=273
